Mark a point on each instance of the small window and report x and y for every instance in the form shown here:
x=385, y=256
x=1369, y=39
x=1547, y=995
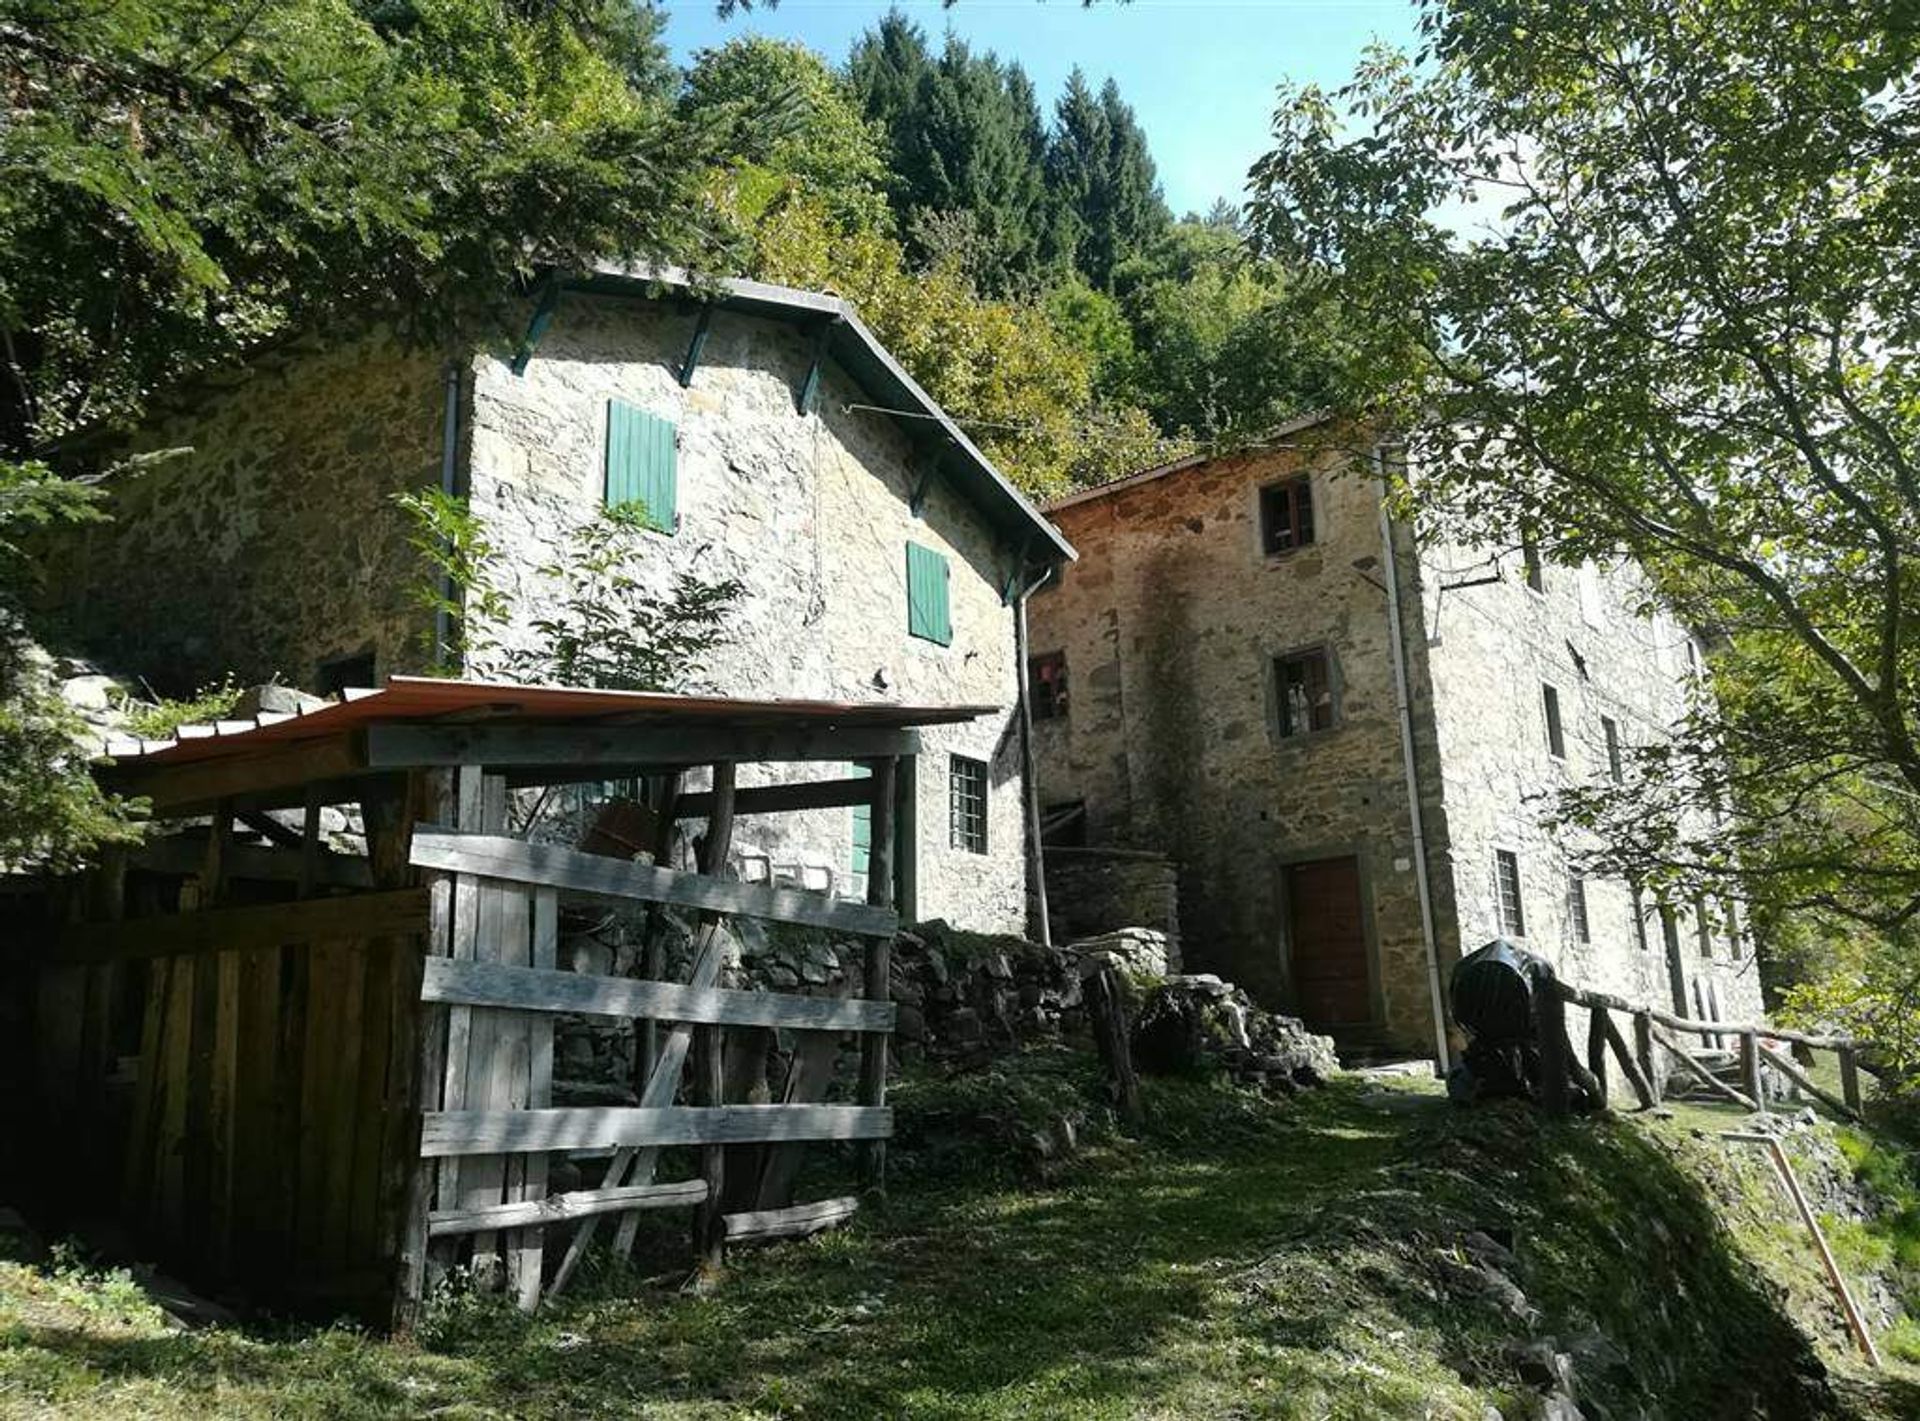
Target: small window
x=1530, y=558
x=1286, y=516
x=967, y=804
x=344, y=672
x=1577, y=908
x=928, y=616
x=1610, y=728
x=1702, y=927
x=1556, y=735
x=642, y=465
x=1047, y=685
x=1639, y=917
x=1506, y=873
x=1305, y=690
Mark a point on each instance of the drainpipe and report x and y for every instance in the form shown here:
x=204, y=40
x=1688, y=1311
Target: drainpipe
x=449, y=485
x=1404, y=711
x=1036, y=856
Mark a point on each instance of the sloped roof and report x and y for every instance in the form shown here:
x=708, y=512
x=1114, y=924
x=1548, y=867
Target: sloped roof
x=1312, y=419
x=858, y=351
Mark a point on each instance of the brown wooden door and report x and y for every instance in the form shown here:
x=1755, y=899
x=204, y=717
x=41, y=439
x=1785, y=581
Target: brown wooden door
x=1328, y=936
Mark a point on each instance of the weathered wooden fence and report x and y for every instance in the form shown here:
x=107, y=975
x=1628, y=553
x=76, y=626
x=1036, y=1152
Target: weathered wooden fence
x=492, y=988
x=1651, y=1028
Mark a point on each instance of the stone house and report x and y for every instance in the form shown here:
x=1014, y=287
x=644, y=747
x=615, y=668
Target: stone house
x=1216, y=678
x=772, y=440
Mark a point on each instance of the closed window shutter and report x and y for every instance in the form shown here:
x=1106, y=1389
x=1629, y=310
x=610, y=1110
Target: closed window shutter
x=927, y=612
x=642, y=464
x=862, y=835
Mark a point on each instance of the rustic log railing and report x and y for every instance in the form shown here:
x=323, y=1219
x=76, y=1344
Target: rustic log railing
x=493, y=989
x=1651, y=1028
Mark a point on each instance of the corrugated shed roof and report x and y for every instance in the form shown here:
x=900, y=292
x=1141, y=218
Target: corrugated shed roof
x=427, y=698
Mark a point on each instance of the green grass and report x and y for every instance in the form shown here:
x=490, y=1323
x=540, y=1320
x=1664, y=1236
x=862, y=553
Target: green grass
x=1236, y=1258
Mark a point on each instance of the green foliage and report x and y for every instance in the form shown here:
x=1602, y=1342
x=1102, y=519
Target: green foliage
x=1102, y=178
x=184, y=178
x=1678, y=331
x=597, y=620
x=159, y=719
x=792, y=123
x=52, y=813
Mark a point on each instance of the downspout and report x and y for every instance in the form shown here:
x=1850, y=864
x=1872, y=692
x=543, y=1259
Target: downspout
x=449, y=485
x=1404, y=711
x=1036, y=855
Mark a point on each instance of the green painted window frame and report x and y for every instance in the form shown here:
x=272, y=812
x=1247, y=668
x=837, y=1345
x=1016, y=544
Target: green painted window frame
x=643, y=464
x=929, y=595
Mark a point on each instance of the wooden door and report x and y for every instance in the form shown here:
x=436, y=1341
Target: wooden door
x=1327, y=934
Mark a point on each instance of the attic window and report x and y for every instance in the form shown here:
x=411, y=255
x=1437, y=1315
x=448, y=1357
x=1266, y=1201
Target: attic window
x=1286, y=516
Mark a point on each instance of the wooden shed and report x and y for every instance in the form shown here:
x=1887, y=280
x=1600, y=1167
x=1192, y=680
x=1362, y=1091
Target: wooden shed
x=301, y=1074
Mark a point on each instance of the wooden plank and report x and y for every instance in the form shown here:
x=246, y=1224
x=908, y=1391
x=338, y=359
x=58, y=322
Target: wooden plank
x=478, y=1132
x=1582, y=996
x=709, y=1089
x=562, y=1208
x=392, y=913
x=1108, y=1019
x=580, y=875
x=546, y=948
x=206, y=1162
x=713, y=850
x=783, y=798
x=344, y=992
x=605, y=748
x=493, y=984
x=878, y=987
x=490, y=1074
x=1850, y=1078
x=796, y=1222
x=176, y=853
x=177, y=789
x=170, y=1147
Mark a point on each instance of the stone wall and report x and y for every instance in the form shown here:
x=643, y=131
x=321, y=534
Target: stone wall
x=271, y=544
x=811, y=513
x=1492, y=646
x=1170, y=623
x=1092, y=891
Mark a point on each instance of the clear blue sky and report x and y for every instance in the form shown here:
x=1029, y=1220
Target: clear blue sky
x=1200, y=73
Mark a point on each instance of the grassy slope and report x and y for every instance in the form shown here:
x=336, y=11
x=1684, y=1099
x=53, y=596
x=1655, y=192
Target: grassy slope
x=1239, y=1260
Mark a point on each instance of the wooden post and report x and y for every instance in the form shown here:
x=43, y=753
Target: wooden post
x=1850, y=1078
x=1597, y=1049
x=879, y=963
x=1550, y=1039
x=1750, y=1069
x=709, y=1088
x=1642, y=1087
x=1109, y=1021
x=1643, y=1052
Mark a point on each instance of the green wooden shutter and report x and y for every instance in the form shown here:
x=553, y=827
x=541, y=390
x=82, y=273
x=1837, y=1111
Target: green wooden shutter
x=862, y=833
x=641, y=463
x=927, y=612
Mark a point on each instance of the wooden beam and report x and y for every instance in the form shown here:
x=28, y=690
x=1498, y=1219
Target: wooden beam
x=1806, y=1083
x=395, y=913
x=176, y=853
x=878, y=984
x=607, y=749
x=1706, y=1077
x=485, y=1132
x=782, y=798
x=593, y=876
x=1629, y=1067
x=1850, y=1078
x=1581, y=996
x=178, y=789
x=495, y=984
x=559, y=1208
x=796, y=1222
x=696, y=345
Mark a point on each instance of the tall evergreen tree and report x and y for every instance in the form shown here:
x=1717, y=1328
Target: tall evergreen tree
x=1101, y=173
